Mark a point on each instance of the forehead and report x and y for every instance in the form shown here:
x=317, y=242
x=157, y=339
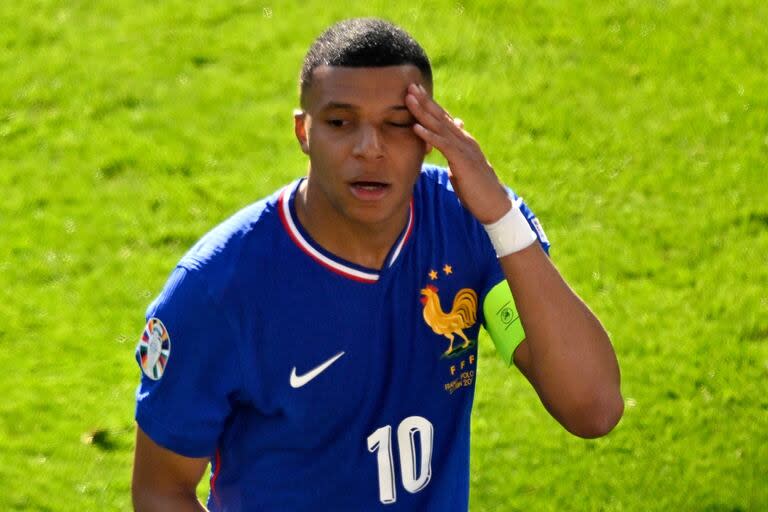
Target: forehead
x=361, y=87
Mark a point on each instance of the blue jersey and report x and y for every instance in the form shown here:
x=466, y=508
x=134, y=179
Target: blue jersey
x=311, y=382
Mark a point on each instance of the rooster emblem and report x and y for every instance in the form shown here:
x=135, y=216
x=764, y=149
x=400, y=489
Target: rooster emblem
x=463, y=314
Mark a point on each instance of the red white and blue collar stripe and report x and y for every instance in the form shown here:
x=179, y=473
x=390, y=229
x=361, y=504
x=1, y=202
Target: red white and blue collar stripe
x=308, y=246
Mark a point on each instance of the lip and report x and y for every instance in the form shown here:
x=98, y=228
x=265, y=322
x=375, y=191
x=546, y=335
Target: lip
x=369, y=190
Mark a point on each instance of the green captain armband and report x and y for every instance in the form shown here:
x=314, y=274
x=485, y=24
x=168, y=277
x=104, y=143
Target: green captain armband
x=502, y=321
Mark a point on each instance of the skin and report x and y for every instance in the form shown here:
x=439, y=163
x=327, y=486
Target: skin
x=374, y=126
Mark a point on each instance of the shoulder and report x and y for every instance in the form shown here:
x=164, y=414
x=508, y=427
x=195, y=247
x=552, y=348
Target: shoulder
x=218, y=257
x=434, y=191
x=435, y=183
x=434, y=179
x=434, y=194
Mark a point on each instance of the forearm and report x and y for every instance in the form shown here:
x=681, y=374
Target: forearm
x=567, y=355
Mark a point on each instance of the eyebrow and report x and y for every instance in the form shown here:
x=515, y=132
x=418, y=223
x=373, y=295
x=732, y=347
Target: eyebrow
x=334, y=105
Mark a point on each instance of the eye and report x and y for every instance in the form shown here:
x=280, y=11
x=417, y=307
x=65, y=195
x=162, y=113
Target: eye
x=337, y=123
x=402, y=121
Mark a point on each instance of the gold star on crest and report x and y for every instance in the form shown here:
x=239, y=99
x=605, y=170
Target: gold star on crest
x=433, y=275
x=448, y=269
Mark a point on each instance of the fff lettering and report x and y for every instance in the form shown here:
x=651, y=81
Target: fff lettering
x=463, y=364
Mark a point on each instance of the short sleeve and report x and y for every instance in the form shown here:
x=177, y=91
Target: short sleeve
x=190, y=374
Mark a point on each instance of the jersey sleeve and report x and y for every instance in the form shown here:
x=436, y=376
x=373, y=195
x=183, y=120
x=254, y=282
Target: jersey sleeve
x=500, y=317
x=190, y=373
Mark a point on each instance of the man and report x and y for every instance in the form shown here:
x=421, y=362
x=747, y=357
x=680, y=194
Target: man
x=319, y=347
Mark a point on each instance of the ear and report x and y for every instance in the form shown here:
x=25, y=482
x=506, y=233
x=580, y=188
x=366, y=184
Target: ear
x=300, y=129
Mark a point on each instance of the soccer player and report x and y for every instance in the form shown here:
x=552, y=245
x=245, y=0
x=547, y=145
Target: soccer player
x=319, y=348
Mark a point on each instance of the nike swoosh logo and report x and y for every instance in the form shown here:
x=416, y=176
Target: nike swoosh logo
x=142, y=396
x=299, y=380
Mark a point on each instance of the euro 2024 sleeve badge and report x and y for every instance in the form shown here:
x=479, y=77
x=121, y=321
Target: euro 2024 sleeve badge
x=154, y=349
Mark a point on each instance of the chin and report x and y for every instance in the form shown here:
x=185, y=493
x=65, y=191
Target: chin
x=373, y=215
x=371, y=218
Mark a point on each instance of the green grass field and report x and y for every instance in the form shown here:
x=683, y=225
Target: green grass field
x=637, y=131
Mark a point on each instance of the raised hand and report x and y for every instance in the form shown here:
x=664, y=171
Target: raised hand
x=472, y=176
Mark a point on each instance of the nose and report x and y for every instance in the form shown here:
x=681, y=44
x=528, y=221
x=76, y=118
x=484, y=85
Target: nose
x=369, y=143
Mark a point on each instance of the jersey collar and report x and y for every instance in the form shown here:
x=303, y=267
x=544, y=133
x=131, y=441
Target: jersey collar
x=287, y=212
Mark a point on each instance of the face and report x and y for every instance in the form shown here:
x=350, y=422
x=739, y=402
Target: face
x=358, y=133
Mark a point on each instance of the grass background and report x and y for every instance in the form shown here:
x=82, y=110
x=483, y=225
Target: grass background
x=638, y=132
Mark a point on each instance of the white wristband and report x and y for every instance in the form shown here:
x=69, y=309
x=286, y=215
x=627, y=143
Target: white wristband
x=511, y=233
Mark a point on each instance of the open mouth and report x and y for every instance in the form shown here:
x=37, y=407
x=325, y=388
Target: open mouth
x=369, y=185
x=369, y=190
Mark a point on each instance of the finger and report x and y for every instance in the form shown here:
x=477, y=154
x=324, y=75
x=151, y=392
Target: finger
x=433, y=108
x=432, y=138
x=422, y=116
x=443, y=125
x=451, y=143
x=430, y=107
x=437, y=127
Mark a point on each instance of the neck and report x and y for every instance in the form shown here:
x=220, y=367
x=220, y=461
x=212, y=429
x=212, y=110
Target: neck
x=365, y=244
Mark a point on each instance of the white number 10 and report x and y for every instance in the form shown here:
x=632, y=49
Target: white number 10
x=381, y=440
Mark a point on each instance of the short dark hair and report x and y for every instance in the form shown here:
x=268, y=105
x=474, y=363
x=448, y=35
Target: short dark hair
x=364, y=43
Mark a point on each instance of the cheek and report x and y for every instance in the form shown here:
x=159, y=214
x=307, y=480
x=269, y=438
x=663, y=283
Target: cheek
x=408, y=145
x=328, y=144
x=321, y=149
x=401, y=137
